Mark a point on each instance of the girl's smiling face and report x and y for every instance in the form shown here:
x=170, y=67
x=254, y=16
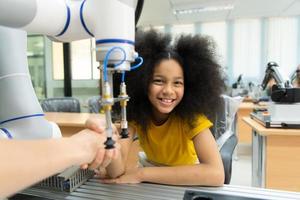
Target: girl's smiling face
x=166, y=88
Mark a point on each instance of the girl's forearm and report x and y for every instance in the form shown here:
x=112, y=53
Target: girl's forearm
x=201, y=174
x=117, y=167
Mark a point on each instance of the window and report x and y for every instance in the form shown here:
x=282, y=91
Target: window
x=36, y=63
x=182, y=29
x=157, y=28
x=95, y=64
x=282, y=43
x=247, y=48
x=217, y=30
x=83, y=60
x=57, y=61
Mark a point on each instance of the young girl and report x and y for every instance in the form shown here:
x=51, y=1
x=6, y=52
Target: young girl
x=171, y=96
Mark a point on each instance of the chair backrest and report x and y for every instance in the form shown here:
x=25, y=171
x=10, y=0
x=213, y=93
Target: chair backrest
x=224, y=131
x=94, y=104
x=61, y=104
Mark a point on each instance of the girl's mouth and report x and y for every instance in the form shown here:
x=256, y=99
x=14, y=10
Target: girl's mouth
x=166, y=102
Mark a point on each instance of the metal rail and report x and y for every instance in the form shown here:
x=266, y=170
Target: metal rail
x=93, y=189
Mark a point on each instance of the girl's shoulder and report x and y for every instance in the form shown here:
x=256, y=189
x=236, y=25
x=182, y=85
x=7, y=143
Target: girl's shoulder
x=201, y=122
x=198, y=120
x=201, y=119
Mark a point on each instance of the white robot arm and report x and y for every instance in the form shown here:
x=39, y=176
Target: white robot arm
x=282, y=91
x=72, y=20
x=110, y=22
x=21, y=116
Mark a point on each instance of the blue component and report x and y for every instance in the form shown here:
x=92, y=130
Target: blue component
x=137, y=65
x=7, y=133
x=67, y=22
x=133, y=67
x=106, y=60
x=82, y=20
x=22, y=117
x=103, y=41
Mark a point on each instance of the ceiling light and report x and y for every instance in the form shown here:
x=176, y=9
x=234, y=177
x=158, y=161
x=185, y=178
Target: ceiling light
x=202, y=9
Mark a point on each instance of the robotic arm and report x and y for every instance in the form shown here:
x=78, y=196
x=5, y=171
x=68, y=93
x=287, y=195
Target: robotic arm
x=68, y=21
x=272, y=71
x=282, y=91
x=110, y=22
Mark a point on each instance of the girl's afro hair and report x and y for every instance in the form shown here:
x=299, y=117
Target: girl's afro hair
x=203, y=80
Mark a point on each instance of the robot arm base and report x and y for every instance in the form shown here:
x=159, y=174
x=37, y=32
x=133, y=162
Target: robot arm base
x=285, y=95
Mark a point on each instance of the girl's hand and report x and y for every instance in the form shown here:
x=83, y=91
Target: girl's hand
x=100, y=173
x=130, y=176
x=98, y=124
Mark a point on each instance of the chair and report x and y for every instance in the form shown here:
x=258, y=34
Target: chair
x=94, y=105
x=61, y=104
x=224, y=131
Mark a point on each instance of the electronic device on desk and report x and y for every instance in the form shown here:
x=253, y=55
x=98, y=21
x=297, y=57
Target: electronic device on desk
x=200, y=195
x=279, y=118
x=283, y=111
x=238, y=88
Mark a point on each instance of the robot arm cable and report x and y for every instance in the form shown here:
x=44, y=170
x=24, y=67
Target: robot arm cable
x=133, y=67
x=106, y=59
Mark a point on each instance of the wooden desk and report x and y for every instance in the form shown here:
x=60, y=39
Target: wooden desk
x=70, y=123
x=243, y=130
x=275, y=157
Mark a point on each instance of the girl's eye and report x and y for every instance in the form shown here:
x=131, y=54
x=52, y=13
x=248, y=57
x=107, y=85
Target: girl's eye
x=178, y=83
x=157, y=81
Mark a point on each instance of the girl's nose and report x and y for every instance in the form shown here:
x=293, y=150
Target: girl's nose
x=168, y=89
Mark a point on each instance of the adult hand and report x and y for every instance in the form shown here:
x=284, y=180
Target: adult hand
x=89, y=145
x=103, y=157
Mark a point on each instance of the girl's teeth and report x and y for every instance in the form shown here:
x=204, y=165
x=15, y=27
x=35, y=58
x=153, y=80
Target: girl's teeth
x=167, y=100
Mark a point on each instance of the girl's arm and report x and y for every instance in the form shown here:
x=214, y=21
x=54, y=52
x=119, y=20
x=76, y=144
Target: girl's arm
x=117, y=167
x=209, y=172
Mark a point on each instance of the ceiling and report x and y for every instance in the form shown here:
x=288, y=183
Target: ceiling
x=160, y=12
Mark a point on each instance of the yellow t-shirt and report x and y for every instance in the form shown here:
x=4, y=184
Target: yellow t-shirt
x=171, y=143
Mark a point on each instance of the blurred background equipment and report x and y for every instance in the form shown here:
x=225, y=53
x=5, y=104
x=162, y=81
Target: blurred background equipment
x=283, y=111
x=238, y=88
